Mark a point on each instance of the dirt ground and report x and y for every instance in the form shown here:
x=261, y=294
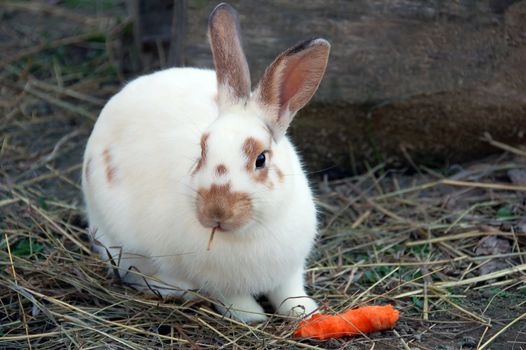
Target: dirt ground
x=445, y=246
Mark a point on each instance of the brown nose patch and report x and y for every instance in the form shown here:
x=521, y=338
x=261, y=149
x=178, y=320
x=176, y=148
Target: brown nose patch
x=220, y=204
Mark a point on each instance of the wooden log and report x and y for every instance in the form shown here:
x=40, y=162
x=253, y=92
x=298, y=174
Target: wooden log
x=407, y=79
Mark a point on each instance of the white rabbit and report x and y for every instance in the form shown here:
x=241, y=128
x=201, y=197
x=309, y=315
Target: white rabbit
x=181, y=151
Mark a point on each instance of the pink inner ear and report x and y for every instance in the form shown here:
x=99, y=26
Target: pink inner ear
x=290, y=81
x=293, y=79
x=300, y=78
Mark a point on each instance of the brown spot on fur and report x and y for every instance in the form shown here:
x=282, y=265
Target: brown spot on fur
x=204, y=150
x=221, y=169
x=253, y=148
x=87, y=169
x=219, y=204
x=261, y=175
x=280, y=174
x=110, y=168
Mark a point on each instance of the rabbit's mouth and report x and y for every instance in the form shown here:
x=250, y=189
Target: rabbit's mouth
x=219, y=228
x=228, y=225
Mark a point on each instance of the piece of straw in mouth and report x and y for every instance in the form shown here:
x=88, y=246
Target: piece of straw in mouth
x=211, y=238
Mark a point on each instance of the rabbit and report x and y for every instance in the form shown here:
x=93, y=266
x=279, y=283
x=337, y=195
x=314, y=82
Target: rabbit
x=184, y=151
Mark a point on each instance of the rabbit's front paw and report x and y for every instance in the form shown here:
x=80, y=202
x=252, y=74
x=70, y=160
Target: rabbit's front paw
x=290, y=298
x=297, y=306
x=243, y=308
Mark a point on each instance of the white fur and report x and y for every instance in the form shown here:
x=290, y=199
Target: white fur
x=151, y=130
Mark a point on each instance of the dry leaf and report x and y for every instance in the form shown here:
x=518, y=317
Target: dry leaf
x=517, y=176
x=492, y=245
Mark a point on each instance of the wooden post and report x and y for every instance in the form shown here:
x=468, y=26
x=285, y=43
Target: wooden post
x=176, y=55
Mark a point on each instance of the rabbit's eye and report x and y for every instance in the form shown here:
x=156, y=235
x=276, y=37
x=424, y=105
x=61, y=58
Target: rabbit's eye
x=260, y=161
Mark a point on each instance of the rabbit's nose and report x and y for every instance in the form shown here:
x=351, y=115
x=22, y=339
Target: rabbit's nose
x=220, y=206
x=217, y=214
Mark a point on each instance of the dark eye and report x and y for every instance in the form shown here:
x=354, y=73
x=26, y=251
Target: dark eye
x=260, y=161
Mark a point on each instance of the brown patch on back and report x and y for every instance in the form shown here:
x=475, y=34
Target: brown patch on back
x=110, y=168
x=221, y=170
x=87, y=169
x=220, y=204
x=204, y=150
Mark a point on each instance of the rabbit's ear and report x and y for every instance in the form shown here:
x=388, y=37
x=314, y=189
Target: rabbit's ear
x=233, y=76
x=290, y=82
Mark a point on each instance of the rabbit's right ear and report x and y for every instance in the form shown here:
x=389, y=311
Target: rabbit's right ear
x=290, y=82
x=233, y=76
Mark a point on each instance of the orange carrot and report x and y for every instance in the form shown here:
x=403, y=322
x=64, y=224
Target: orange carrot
x=365, y=319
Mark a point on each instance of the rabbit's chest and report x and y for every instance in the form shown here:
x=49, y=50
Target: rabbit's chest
x=250, y=269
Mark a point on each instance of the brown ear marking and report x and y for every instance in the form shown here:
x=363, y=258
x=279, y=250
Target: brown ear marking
x=301, y=65
x=233, y=76
x=204, y=151
x=291, y=80
x=109, y=166
x=221, y=170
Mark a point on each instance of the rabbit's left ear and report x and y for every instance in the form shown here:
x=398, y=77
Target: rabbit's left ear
x=289, y=83
x=233, y=76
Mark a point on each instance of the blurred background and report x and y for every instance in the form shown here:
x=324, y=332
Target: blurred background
x=427, y=82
